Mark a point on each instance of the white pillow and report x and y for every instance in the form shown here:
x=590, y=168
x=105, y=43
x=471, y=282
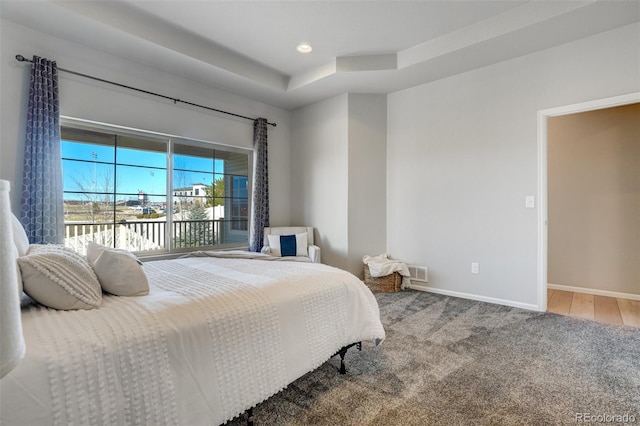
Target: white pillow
x=119, y=271
x=284, y=243
x=59, y=278
x=21, y=243
x=14, y=258
x=19, y=236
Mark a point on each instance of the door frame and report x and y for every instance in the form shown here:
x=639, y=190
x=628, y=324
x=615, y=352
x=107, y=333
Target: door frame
x=543, y=116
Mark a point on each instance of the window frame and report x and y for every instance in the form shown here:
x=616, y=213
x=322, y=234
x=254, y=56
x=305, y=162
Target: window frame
x=171, y=141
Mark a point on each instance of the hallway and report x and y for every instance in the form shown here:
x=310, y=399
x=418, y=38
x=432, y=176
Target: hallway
x=608, y=310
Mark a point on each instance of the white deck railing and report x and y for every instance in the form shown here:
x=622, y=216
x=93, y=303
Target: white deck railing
x=143, y=235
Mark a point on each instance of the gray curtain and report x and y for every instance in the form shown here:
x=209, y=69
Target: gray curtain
x=42, y=209
x=260, y=200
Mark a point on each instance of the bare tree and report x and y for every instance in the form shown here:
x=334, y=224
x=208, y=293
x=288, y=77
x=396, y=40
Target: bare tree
x=97, y=196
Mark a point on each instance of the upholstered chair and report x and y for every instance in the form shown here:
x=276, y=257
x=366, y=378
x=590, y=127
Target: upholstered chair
x=271, y=233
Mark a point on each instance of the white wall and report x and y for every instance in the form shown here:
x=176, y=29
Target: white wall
x=339, y=176
x=87, y=99
x=319, y=170
x=367, y=178
x=462, y=155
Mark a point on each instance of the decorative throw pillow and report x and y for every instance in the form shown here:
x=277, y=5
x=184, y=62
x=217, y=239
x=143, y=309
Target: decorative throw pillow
x=59, y=278
x=21, y=243
x=13, y=256
x=120, y=272
x=288, y=245
x=19, y=236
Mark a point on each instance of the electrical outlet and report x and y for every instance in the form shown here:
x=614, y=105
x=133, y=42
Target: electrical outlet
x=475, y=268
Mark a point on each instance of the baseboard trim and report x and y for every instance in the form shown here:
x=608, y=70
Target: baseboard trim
x=594, y=291
x=477, y=297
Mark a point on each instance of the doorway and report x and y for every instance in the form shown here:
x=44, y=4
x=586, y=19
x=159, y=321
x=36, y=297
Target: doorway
x=543, y=190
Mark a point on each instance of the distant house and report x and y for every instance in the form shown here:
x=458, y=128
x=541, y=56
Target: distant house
x=195, y=193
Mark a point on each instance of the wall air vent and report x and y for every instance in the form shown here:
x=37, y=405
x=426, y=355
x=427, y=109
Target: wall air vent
x=418, y=273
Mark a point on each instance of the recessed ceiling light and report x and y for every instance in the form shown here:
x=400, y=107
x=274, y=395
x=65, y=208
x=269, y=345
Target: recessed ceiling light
x=304, y=48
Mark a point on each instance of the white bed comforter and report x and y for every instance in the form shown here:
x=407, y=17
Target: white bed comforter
x=213, y=338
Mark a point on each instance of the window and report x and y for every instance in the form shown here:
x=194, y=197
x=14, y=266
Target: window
x=239, y=203
x=115, y=191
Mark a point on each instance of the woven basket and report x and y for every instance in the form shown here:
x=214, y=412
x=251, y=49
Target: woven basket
x=387, y=284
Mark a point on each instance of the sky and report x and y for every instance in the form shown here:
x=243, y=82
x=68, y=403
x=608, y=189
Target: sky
x=149, y=175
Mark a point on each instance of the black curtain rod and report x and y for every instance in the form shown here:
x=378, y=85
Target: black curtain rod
x=21, y=58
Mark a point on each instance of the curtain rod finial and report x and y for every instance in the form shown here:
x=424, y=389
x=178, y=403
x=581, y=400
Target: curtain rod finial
x=20, y=58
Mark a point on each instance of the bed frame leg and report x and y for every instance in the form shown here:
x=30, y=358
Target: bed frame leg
x=250, y=417
x=342, y=352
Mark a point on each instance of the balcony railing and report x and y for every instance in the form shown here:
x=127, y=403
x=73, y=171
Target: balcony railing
x=144, y=235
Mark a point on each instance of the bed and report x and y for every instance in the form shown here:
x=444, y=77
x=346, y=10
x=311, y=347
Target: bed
x=214, y=337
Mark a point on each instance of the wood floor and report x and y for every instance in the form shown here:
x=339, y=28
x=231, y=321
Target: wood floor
x=604, y=309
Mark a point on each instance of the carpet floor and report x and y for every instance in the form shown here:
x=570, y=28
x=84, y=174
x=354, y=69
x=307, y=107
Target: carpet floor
x=451, y=361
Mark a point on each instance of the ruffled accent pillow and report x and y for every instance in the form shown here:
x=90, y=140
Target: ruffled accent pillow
x=120, y=272
x=59, y=278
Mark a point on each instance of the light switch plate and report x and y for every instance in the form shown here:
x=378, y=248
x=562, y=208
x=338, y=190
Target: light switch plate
x=530, y=202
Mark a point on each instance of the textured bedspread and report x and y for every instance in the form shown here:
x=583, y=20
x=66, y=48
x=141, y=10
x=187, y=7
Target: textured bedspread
x=213, y=338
